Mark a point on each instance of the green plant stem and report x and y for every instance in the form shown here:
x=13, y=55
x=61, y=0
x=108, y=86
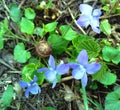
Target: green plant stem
x=85, y=98
x=5, y=6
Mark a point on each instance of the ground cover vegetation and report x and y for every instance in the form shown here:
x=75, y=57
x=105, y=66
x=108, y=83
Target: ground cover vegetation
x=59, y=55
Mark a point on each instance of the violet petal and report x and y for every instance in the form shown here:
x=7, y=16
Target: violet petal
x=42, y=70
x=34, y=80
x=84, y=80
x=83, y=20
x=86, y=9
x=73, y=65
x=95, y=24
x=27, y=93
x=62, y=69
x=97, y=12
x=93, y=68
x=34, y=89
x=54, y=84
x=96, y=29
x=23, y=84
x=82, y=58
x=51, y=62
x=78, y=73
x=50, y=75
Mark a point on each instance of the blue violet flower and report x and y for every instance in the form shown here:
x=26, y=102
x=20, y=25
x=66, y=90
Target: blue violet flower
x=32, y=87
x=89, y=16
x=52, y=71
x=80, y=69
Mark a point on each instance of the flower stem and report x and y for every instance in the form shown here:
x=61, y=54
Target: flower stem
x=85, y=98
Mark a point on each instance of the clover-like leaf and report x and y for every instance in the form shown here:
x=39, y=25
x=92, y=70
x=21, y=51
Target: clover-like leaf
x=26, y=26
x=50, y=27
x=112, y=101
x=111, y=54
x=101, y=73
x=30, y=13
x=15, y=13
x=108, y=78
x=20, y=54
x=7, y=96
x=30, y=70
x=105, y=27
x=27, y=72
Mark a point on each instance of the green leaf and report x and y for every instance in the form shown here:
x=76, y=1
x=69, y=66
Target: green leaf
x=28, y=72
x=40, y=78
x=90, y=46
x=105, y=27
x=101, y=73
x=7, y=96
x=3, y=30
x=111, y=54
x=108, y=78
x=15, y=13
x=30, y=13
x=106, y=8
x=49, y=108
x=118, y=10
x=50, y=26
x=98, y=105
x=49, y=4
x=58, y=44
x=67, y=32
x=117, y=89
x=26, y=26
x=20, y=54
x=3, y=27
x=39, y=31
x=1, y=42
x=103, y=1
x=112, y=101
x=76, y=41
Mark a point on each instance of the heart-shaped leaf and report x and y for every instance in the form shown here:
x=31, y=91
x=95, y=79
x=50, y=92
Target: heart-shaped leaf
x=111, y=54
x=20, y=54
x=26, y=26
x=108, y=78
x=30, y=13
x=112, y=101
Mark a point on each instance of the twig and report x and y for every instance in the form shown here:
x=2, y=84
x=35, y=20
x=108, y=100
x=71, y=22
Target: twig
x=50, y=100
x=95, y=2
x=5, y=6
x=63, y=79
x=30, y=105
x=19, y=72
x=67, y=78
x=4, y=63
x=105, y=17
x=23, y=1
x=81, y=29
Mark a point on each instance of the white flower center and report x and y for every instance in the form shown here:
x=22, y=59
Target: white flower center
x=83, y=70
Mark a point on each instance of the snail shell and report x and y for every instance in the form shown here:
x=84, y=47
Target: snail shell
x=43, y=49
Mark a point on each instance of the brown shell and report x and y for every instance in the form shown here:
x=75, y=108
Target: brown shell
x=43, y=49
